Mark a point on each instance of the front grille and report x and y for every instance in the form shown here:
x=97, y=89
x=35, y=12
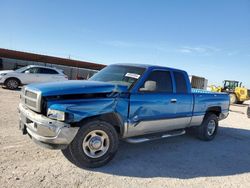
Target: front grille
x=30, y=94
x=30, y=103
x=31, y=99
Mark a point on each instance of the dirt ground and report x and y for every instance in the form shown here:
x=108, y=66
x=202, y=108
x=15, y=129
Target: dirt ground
x=175, y=162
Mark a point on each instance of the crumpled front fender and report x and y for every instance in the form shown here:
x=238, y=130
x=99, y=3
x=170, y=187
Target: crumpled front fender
x=93, y=107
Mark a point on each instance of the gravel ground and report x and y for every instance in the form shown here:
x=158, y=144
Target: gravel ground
x=175, y=162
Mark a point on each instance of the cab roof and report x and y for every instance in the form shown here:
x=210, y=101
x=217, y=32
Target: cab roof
x=147, y=66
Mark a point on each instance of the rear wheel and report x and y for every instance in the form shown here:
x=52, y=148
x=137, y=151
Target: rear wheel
x=208, y=129
x=233, y=98
x=94, y=145
x=12, y=83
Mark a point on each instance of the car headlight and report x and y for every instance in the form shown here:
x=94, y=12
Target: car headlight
x=3, y=74
x=56, y=114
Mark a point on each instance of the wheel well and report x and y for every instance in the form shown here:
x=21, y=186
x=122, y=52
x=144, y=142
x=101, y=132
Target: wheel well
x=215, y=110
x=12, y=78
x=111, y=118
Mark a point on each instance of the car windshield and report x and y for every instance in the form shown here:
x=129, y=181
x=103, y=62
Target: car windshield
x=22, y=69
x=119, y=74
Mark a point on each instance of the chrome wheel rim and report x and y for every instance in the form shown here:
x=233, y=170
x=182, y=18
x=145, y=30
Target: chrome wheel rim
x=211, y=127
x=96, y=144
x=12, y=84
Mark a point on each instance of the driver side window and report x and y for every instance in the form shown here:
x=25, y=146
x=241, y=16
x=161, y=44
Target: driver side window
x=158, y=81
x=33, y=70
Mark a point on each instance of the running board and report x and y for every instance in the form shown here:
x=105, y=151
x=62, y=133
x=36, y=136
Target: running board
x=136, y=140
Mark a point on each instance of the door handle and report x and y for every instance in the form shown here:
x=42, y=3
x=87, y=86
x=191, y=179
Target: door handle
x=173, y=100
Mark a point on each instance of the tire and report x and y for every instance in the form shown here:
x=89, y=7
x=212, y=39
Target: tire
x=95, y=144
x=12, y=83
x=233, y=98
x=209, y=127
x=66, y=152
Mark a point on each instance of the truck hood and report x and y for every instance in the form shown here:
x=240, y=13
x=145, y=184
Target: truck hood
x=76, y=87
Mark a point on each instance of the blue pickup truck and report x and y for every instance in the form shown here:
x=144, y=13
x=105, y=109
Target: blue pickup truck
x=135, y=103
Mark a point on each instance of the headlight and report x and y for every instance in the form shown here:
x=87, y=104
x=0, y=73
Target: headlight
x=56, y=114
x=3, y=74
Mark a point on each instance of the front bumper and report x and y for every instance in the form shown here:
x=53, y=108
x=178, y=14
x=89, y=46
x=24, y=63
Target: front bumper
x=49, y=133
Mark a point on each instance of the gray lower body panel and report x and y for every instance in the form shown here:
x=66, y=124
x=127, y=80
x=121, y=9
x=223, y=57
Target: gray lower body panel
x=155, y=126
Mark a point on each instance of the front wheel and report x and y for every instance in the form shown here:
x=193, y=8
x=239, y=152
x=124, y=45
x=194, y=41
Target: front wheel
x=95, y=144
x=12, y=83
x=208, y=129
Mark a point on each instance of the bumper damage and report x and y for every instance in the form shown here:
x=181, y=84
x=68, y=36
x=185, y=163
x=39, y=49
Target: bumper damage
x=46, y=132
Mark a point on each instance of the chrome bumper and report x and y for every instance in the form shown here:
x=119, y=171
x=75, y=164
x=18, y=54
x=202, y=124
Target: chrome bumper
x=44, y=131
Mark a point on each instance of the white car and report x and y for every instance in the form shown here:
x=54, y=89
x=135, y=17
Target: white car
x=30, y=74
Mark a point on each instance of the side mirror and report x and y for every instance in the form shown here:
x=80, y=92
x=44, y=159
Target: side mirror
x=149, y=86
x=27, y=72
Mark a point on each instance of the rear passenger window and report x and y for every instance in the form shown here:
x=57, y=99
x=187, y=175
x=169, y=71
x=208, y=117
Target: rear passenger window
x=47, y=71
x=180, y=81
x=158, y=81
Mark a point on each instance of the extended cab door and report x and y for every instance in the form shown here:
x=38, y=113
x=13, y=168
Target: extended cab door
x=29, y=75
x=183, y=97
x=153, y=106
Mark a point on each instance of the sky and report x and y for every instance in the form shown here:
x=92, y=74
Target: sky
x=208, y=38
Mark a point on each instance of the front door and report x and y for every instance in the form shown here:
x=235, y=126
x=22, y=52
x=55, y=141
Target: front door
x=153, y=107
x=29, y=75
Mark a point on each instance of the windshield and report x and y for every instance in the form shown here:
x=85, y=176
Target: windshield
x=124, y=75
x=22, y=69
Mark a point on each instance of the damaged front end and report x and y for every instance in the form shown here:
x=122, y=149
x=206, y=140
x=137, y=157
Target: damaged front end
x=50, y=113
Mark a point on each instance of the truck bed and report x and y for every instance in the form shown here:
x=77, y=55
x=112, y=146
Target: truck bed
x=205, y=100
